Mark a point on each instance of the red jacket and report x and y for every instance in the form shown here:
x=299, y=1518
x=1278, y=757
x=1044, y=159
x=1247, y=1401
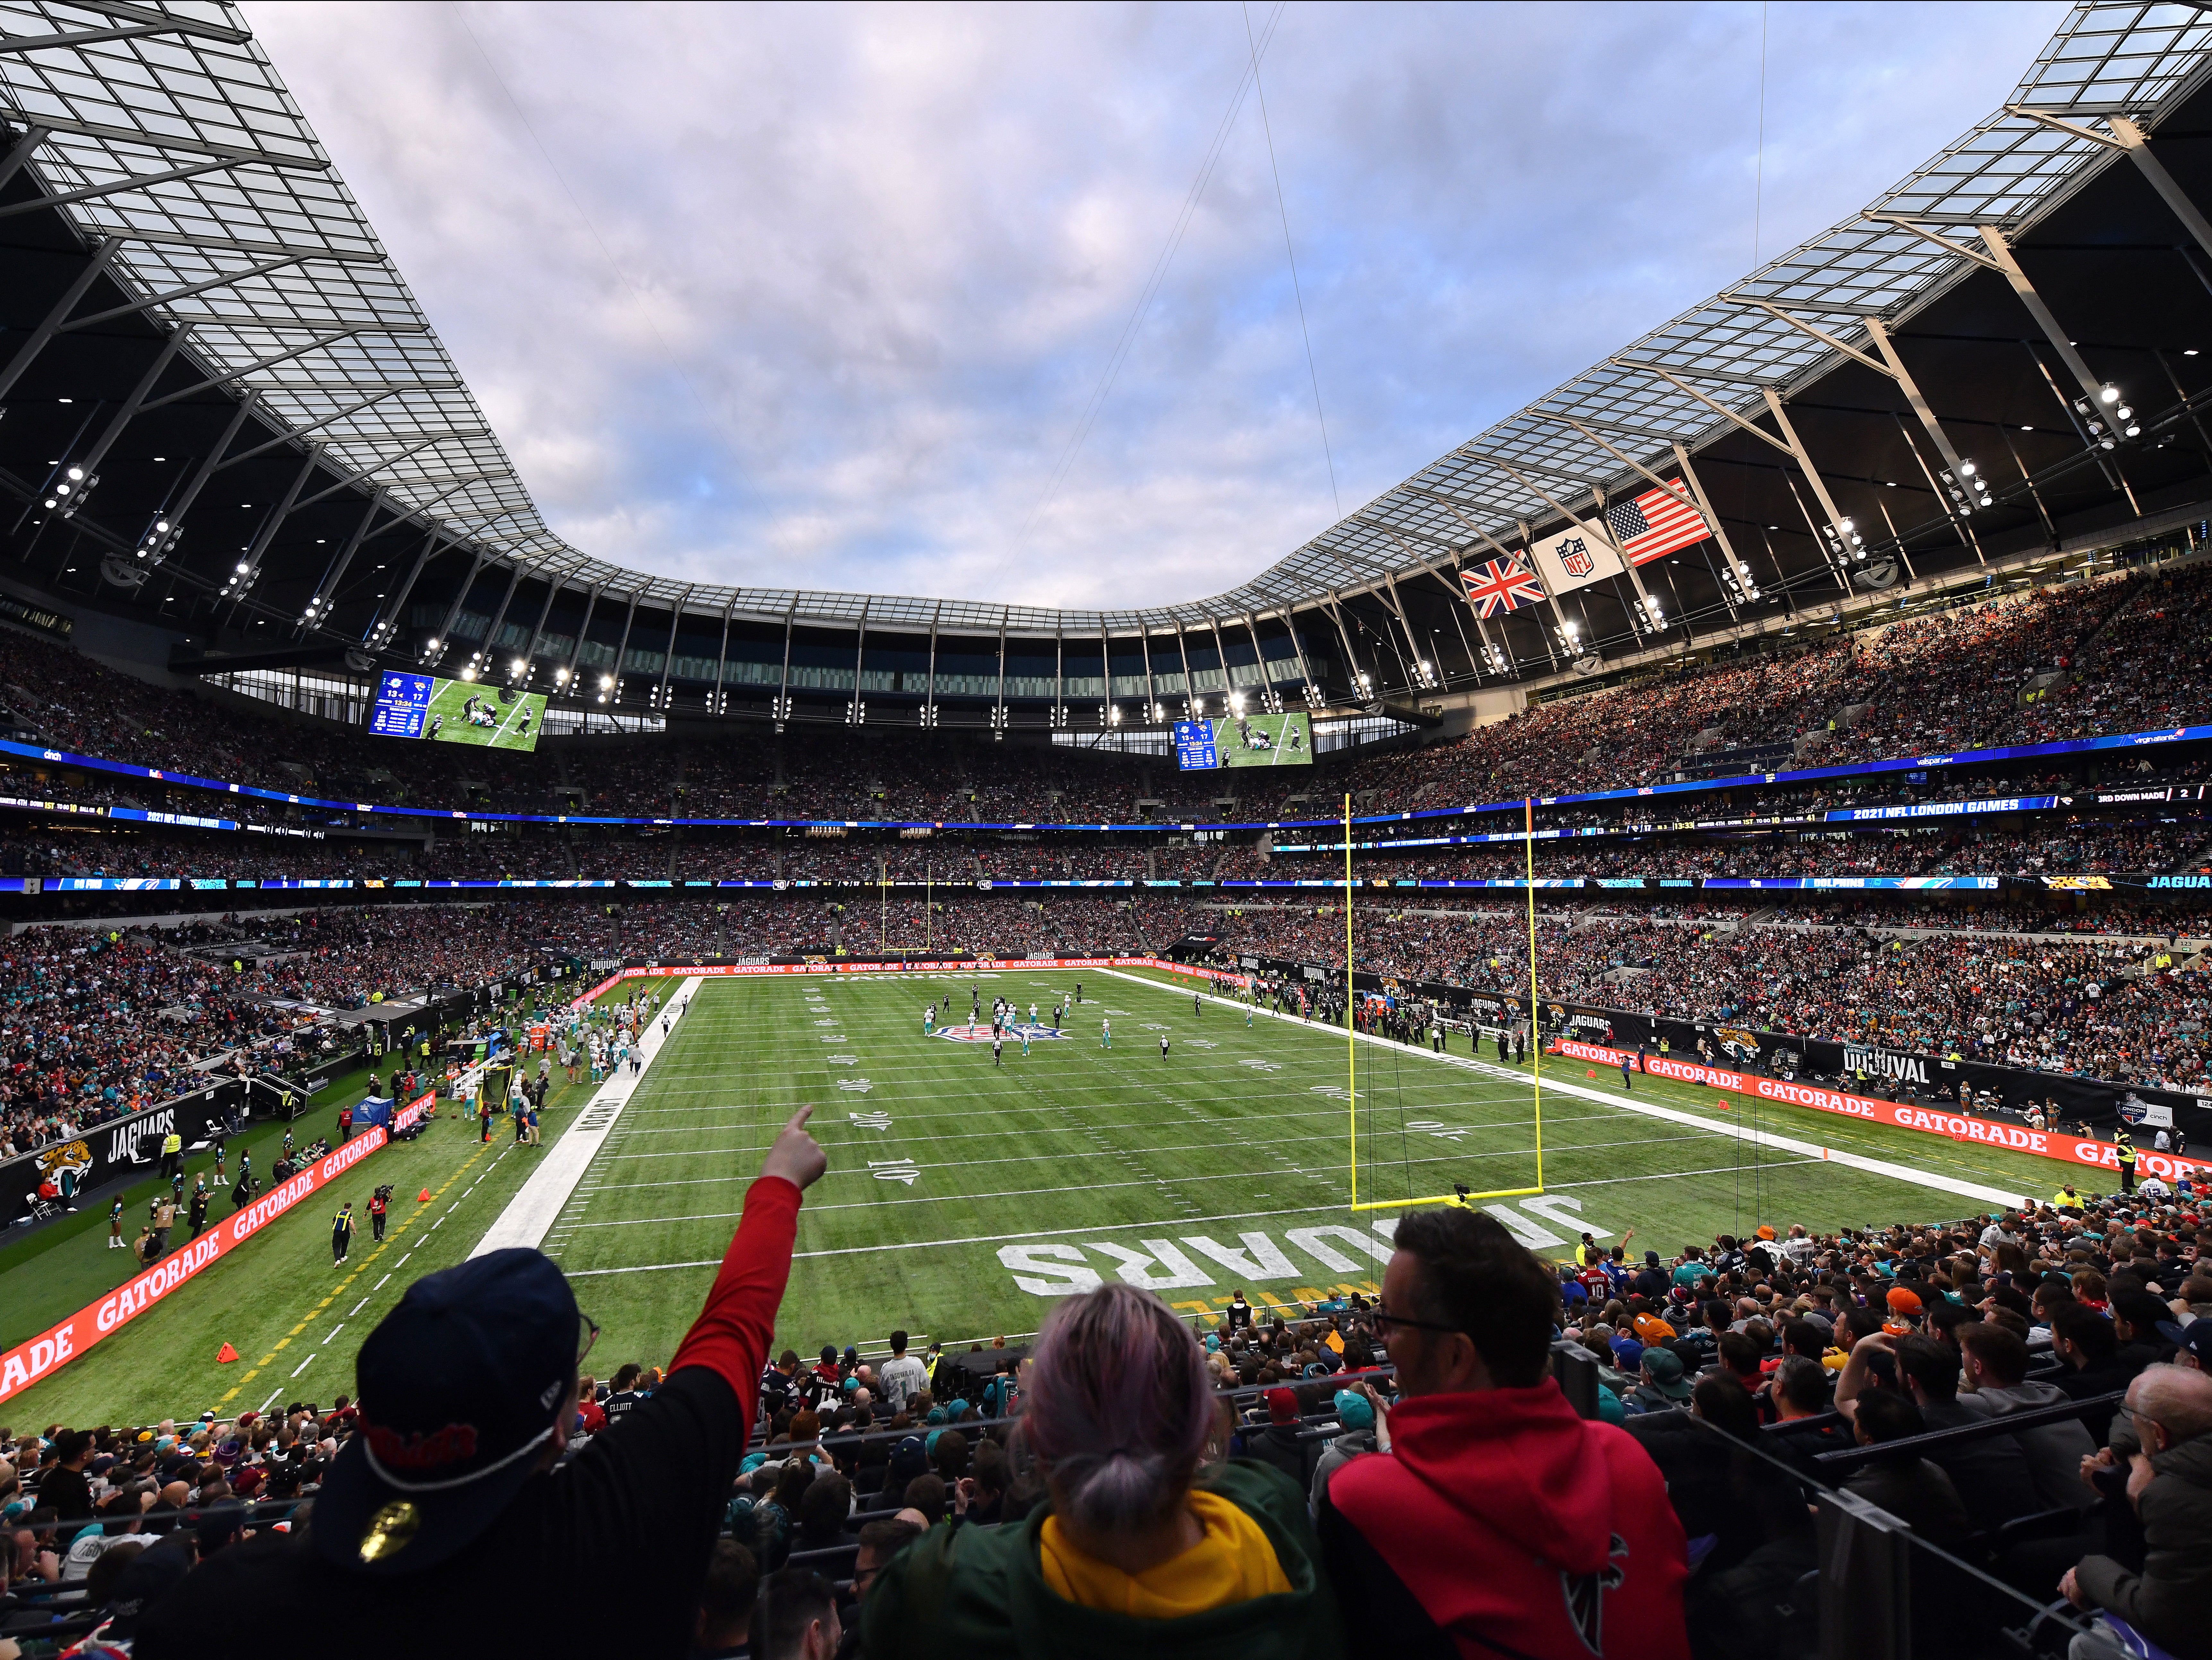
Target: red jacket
x=1516, y=1528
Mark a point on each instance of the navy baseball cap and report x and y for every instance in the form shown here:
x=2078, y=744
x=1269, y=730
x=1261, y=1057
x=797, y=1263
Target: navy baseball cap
x=461, y=1389
x=2195, y=1335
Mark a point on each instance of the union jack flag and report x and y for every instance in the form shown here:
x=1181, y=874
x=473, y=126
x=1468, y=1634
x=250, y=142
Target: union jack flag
x=1501, y=585
x=1656, y=522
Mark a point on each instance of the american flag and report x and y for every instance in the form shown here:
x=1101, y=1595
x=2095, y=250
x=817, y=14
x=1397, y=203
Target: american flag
x=1501, y=585
x=1656, y=522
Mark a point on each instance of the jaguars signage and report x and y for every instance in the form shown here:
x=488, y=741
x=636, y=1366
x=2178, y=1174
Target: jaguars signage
x=1020, y=1031
x=113, y=1149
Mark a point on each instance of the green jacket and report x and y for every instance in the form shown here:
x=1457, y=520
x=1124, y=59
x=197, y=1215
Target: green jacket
x=2167, y=1602
x=979, y=1594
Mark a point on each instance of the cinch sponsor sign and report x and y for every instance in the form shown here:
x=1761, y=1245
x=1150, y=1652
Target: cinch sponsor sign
x=1929, y=1121
x=28, y=1363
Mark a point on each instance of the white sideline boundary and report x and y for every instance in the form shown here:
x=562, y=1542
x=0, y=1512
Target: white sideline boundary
x=532, y=1212
x=1627, y=1103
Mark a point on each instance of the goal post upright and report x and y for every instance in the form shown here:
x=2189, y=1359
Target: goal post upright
x=1458, y=1195
x=1535, y=1037
x=1351, y=1027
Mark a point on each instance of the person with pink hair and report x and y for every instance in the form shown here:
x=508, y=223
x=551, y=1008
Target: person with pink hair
x=1137, y=1542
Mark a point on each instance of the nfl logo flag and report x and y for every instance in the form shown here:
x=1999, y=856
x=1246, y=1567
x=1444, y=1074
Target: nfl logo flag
x=1501, y=585
x=1658, y=522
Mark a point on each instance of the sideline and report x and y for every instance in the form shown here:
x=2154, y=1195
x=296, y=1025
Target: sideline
x=532, y=1212
x=1627, y=1103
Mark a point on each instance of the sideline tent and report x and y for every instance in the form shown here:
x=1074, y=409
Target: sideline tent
x=373, y=1110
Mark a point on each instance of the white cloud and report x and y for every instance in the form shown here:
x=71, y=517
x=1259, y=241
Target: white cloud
x=818, y=296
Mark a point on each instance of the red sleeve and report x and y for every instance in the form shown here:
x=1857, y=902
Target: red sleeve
x=731, y=1335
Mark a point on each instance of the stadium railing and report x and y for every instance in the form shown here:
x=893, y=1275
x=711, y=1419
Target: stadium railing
x=1868, y=1588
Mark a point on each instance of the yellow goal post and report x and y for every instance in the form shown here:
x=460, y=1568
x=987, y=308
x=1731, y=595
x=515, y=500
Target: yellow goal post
x=1460, y=1193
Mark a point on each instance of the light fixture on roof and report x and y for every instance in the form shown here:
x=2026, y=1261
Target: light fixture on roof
x=160, y=537
x=1844, y=540
x=67, y=493
x=606, y=683
x=468, y=671
x=2094, y=416
x=519, y=666
x=1967, y=489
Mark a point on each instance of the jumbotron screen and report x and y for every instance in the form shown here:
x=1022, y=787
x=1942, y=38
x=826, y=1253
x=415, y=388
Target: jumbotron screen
x=457, y=712
x=1245, y=740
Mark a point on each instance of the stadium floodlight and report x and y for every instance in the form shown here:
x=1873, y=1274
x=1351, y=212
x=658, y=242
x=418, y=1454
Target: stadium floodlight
x=1114, y=714
x=158, y=540
x=606, y=683
x=2110, y=394
x=433, y=646
x=518, y=667
x=1967, y=490
x=2098, y=433
x=561, y=677
x=469, y=671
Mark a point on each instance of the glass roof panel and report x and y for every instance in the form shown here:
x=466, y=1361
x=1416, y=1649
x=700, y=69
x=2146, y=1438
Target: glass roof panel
x=183, y=143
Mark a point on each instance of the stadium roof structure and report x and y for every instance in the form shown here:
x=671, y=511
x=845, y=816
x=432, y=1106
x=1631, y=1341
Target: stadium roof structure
x=196, y=301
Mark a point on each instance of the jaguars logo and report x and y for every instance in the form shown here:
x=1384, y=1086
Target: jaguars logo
x=1737, y=1042
x=75, y=1156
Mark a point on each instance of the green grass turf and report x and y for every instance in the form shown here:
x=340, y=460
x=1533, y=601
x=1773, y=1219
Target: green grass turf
x=1075, y=1143
x=277, y=1298
x=1239, y=1131
x=452, y=701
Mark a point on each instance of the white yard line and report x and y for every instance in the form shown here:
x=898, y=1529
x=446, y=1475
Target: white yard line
x=1986, y=1194
x=532, y=1212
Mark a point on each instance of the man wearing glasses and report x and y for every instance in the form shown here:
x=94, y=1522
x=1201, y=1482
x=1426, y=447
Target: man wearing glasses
x=2169, y=1409
x=1495, y=1520
x=451, y=1512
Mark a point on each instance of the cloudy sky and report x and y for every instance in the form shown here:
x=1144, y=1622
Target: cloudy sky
x=842, y=297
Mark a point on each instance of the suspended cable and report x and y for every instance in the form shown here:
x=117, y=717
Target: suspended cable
x=1298, y=292
x=1759, y=162
x=1126, y=342
x=674, y=360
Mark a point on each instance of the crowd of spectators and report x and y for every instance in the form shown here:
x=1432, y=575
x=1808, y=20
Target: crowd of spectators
x=1360, y=1473
x=2129, y=1011
x=2110, y=654
x=2050, y=843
